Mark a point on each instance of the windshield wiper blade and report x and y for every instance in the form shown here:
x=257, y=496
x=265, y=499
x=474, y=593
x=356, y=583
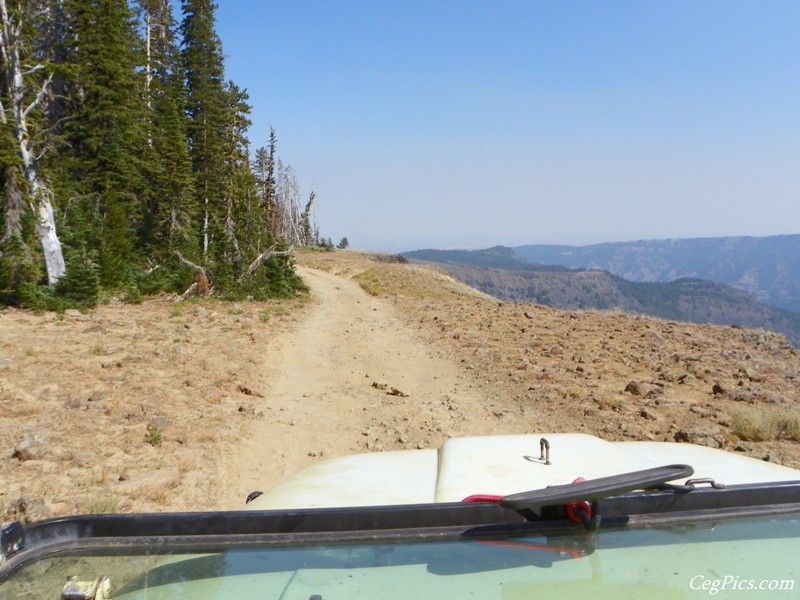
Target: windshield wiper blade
x=595, y=489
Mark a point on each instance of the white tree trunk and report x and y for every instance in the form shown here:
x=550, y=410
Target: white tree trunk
x=39, y=195
x=51, y=246
x=148, y=68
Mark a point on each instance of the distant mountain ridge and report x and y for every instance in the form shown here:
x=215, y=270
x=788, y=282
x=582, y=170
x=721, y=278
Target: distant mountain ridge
x=503, y=273
x=766, y=267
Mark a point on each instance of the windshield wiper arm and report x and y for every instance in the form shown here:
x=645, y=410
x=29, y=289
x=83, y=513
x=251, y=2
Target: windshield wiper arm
x=12, y=540
x=595, y=489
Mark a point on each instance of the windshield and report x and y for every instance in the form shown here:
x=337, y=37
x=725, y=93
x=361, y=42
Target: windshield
x=753, y=555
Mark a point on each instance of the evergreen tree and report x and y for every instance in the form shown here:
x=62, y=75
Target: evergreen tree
x=81, y=285
x=12, y=203
x=105, y=169
x=145, y=149
x=241, y=223
x=264, y=172
x=176, y=208
x=170, y=200
x=207, y=103
x=235, y=219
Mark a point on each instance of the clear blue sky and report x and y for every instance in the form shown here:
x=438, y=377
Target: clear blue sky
x=469, y=124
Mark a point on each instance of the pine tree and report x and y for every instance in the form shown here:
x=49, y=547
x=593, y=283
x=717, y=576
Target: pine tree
x=235, y=224
x=170, y=199
x=176, y=211
x=239, y=193
x=109, y=157
x=147, y=156
x=264, y=172
x=19, y=265
x=206, y=109
x=50, y=44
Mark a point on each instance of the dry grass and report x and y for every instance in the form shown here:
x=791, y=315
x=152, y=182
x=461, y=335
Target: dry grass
x=412, y=281
x=789, y=425
x=102, y=506
x=157, y=495
x=94, y=383
x=759, y=425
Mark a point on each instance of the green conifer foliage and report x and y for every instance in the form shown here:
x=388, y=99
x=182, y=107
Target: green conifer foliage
x=264, y=171
x=81, y=285
x=207, y=104
x=171, y=207
x=147, y=155
x=241, y=223
x=107, y=134
x=17, y=270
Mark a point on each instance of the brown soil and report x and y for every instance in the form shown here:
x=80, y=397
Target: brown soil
x=190, y=406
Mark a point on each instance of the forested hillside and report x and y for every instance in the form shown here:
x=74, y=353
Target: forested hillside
x=766, y=267
x=124, y=160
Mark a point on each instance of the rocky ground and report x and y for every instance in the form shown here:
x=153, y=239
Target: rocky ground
x=618, y=376
x=188, y=406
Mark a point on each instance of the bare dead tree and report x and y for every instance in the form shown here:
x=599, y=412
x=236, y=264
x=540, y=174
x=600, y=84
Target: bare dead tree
x=307, y=227
x=201, y=285
x=23, y=100
x=288, y=205
x=266, y=255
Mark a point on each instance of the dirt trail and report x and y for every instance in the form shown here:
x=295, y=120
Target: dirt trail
x=349, y=377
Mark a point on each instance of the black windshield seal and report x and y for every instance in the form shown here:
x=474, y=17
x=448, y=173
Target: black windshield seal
x=172, y=533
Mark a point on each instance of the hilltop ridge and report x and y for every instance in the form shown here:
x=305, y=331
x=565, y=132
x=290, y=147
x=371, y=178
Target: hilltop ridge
x=191, y=405
x=506, y=274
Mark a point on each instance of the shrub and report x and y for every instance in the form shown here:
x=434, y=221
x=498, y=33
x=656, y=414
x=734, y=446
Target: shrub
x=788, y=424
x=154, y=436
x=764, y=425
x=752, y=425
